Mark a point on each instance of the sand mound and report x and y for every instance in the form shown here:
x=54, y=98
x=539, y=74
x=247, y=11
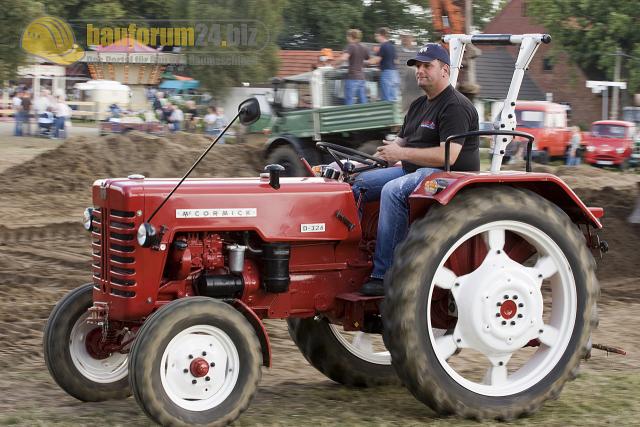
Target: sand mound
x=79, y=161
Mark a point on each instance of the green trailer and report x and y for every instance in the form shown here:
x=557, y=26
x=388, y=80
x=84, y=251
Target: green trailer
x=310, y=107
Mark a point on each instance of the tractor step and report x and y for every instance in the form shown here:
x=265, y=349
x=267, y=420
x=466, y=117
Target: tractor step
x=361, y=313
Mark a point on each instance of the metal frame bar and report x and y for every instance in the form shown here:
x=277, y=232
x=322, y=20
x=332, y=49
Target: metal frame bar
x=529, y=44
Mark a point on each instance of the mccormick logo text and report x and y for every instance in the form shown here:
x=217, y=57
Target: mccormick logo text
x=217, y=213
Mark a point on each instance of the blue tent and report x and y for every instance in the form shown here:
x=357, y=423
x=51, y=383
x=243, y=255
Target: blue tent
x=180, y=84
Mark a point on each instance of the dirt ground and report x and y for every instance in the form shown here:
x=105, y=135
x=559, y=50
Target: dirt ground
x=44, y=187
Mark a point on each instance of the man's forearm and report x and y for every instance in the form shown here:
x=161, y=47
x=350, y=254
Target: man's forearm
x=430, y=157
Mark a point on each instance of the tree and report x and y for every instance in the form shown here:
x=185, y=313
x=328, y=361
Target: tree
x=591, y=31
x=316, y=24
x=256, y=23
x=15, y=15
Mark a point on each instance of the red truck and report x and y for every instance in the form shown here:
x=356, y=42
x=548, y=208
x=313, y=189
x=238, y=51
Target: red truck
x=609, y=143
x=547, y=122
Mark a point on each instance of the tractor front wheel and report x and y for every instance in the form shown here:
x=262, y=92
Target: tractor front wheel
x=197, y=361
x=351, y=358
x=71, y=352
x=519, y=288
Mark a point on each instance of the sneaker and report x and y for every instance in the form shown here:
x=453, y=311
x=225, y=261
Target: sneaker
x=373, y=288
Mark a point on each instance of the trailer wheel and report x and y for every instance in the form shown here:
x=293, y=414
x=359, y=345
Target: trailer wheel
x=287, y=157
x=354, y=359
x=196, y=361
x=524, y=288
x=71, y=358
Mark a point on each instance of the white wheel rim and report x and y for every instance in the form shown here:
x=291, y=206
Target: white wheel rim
x=361, y=345
x=104, y=371
x=478, y=326
x=207, y=343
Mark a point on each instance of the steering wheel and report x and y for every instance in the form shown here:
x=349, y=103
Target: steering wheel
x=339, y=152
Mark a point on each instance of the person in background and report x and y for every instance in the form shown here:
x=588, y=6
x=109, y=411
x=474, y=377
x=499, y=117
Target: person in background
x=572, y=156
x=16, y=103
x=210, y=120
x=26, y=112
x=176, y=118
x=221, y=123
x=63, y=113
x=192, y=116
x=42, y=102
x=386, y=57
x=356, y=54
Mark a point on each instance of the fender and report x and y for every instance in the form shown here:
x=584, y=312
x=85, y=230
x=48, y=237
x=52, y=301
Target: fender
x=258, y=326
x=442, y=187
x=306, y=150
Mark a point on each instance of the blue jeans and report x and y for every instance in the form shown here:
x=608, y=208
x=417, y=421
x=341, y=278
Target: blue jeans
x=357, y=86
x=573, y=160
x=389, y=80
x=19, y=117
x=59, y=125
x=392, y=186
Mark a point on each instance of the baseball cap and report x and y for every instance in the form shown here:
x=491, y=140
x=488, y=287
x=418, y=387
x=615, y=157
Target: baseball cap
x=429, y=52
x=52, y=39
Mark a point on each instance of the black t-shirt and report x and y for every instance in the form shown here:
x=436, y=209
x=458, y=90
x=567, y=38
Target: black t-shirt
x=388, y=54
x=429, y=122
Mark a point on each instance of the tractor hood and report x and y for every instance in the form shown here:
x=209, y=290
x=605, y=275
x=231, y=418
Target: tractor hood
x=301, y=209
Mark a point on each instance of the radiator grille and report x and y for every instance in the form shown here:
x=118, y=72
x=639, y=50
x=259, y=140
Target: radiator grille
x=113, y=246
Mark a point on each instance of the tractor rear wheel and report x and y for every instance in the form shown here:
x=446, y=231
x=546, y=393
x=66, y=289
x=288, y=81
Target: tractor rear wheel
x=196, y=361
x=71, y=352
x=521, y=291
x=354, y=359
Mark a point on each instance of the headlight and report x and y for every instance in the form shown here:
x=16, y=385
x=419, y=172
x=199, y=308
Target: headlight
x=87, y=219
x=619, y=150
x=591, y=148
x=147, y=235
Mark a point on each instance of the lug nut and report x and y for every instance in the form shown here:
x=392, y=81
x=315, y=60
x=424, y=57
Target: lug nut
x=185, y=370
x=504, y=322
x=207, y=378
x=519, y=315
x=513, y=323
x=499, y=304
x=213, y=364
x=204, y=353
x=191, y=356
x=506, y=297
x=194, y=382
x=497, y=314
x=520, y=305
x=515, y=297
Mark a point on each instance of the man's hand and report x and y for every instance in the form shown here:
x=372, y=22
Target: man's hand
x=390, y=151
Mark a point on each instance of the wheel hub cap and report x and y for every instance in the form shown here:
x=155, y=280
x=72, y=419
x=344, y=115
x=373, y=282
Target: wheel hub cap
x=199, y=367
x=499, y=306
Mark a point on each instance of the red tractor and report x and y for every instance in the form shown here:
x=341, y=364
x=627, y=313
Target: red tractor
x=488, y=308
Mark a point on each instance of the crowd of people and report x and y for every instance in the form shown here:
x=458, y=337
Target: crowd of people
x=52, y=114
x=188, y=118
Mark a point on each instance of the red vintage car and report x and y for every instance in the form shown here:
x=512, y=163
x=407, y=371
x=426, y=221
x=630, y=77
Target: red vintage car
x=609, y=143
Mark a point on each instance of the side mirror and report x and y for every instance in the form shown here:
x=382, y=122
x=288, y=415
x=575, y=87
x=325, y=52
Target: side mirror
x=249, y=111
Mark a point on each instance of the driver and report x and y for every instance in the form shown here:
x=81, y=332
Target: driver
x=440, y=113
